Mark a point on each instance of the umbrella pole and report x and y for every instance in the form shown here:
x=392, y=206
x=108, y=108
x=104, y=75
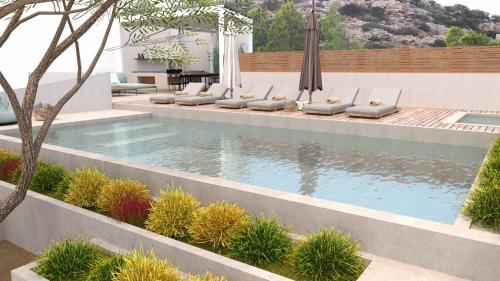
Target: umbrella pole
x=231, y=90
x=310, y=96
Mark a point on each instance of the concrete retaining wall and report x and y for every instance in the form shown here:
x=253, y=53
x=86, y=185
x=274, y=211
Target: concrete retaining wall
x=466, y=253
x=437, y=90
x=40, y=219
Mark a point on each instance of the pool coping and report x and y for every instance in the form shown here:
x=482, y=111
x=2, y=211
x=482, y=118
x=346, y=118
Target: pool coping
x=303, y=123
x=380, y=233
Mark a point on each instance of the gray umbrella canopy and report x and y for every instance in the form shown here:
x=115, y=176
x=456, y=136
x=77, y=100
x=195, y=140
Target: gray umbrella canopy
x=310, y=77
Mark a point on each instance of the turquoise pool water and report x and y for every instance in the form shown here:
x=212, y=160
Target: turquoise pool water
x=421, y=180
x=480, y=119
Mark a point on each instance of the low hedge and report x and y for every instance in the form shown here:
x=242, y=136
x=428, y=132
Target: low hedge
x=219, y=227
x=483, y=204
x=81, y=260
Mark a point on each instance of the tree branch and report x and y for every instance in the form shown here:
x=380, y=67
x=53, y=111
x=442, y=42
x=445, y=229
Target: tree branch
x=77, y=51
x=58, y=106
x=19, y=4
x=11, y=27
x=48, y=58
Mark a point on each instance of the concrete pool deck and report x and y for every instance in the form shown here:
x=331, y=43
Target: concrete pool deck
x=421, y=117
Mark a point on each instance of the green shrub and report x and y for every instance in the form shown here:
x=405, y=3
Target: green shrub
x=45, y=178
x=216, y=223
x=85, y=186
x=207, y=276
x=118, y=190
x=328, y=255
x=104, y=269
x=62, y=187
x=68, y=260
x=139, y=267
x=261, y=242
x=483, y=205
x=172, y=213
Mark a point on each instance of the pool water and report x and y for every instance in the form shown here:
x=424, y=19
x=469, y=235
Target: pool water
x=480, y=119
x=427, y=181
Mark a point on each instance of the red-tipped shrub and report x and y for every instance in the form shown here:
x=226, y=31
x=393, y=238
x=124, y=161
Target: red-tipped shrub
x=133, y=210
x=8, y=165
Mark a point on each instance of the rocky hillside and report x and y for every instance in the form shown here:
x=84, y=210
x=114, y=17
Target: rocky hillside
x=401, y=23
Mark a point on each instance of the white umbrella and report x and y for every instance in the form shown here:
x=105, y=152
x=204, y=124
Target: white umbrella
x=231, y=76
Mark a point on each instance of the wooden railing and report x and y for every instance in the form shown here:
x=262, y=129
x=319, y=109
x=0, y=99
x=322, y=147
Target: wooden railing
x=458, y=60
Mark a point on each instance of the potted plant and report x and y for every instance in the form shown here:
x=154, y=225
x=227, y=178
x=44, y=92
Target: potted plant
x=42, y=111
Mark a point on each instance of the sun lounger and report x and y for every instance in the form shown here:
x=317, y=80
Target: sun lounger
x=191, y=89
x=217, y=92
x=119, y=84
x=289, y=93
x=346, y=96
x=259, y=92
x=389, y=98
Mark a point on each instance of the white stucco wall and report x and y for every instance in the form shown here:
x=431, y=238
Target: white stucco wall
x=95, y=94
x=437, y=90
x=26, y=46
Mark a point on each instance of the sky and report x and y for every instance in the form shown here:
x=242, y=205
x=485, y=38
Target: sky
x=490, y=6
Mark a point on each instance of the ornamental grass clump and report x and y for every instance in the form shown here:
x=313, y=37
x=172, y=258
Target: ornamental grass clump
x=328, y=255
x=260, y=241
x=85, y=187
x=216, y=223
x=133, y=210
x=207, y=276
x=119, y=190
x=172, y=213
x=148, y=267
x=483, y=205
x=104, y=269
x=68, y=260
x=9, y=163
x=62, y=187
x=45, y=178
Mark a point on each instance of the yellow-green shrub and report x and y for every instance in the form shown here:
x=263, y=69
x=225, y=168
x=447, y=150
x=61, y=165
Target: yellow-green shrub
x=139, y=267
x=85, y=186
x=216, y=223
x=207, y=276
x=172, y=212
x=118, y=190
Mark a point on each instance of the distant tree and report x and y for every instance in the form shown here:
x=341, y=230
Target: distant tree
x=272, y=5
x=286, y=32
x=453, y=37
x=333, y=31
x=261, y=24
x=475, y=39
x=438, y=43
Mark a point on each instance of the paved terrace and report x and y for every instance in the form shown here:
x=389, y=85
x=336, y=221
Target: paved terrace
x=408, y=116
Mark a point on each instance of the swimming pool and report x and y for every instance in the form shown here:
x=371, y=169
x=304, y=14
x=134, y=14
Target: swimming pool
x=421, y=180
x=480, y=119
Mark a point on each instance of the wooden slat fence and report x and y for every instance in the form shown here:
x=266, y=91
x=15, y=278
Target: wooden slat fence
x=433, y=60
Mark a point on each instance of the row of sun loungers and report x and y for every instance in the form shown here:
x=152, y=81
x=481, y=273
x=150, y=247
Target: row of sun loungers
x=381, y=102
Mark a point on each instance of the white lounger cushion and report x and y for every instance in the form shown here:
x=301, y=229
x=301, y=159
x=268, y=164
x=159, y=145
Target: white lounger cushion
x=259, y=91
x=217, y=90
x=192, y=89
x=347, y=96
x=390, y=98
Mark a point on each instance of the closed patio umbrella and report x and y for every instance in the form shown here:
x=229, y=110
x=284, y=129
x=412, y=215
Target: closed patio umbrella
x=310, y=77
x=231, y=76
